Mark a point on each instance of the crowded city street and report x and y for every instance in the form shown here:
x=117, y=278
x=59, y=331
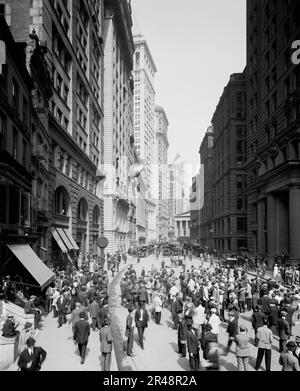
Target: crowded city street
x=160, y=351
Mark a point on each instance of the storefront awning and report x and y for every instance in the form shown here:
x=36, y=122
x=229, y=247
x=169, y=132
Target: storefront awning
x=71, y=240
x=39, y=271
x=59, y=241
x=65, y=238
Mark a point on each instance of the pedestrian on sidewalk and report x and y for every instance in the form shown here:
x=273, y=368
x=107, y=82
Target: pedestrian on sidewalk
x=141, y=318
x=94, y=310
x=283, y=330
x=62, y=308
x=287, y=359
x=106, y=341
x=257, y=320
x=242, y=349
x=265, y=339
x=129, y=331
x=81, y=335
x=193, y=346
x=182, y=335
x=32, y=357
x=157, y=307
x=25, y=334
x=232, y=330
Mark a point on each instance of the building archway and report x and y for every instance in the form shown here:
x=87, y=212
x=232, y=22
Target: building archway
x=61, y=201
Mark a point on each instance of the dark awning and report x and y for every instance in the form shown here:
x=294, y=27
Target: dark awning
x=39, y=271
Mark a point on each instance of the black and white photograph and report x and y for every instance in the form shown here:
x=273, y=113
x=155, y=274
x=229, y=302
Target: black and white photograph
x=149, y=189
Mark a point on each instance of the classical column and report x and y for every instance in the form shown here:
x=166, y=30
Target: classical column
x=282, y=234
x=271, y=228
x=260, y=226
x=294, y=226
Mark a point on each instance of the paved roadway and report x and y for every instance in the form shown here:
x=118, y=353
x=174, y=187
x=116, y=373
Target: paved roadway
x=160, y=352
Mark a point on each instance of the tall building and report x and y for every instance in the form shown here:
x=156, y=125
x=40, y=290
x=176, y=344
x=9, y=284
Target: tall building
x=71, y=36
x=161, y=153
x=273, y=155
x=118, y=121
x=229, y=222
x=144, y=70
x=19, y=232
x=178, y=202
x=206, y=212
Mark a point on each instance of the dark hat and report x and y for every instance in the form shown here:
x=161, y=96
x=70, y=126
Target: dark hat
x=106, y=321
x=82, y=314
x=130, y=309
x=208, y=327
x=30, y=341
x=27, y=325
x=291, y=345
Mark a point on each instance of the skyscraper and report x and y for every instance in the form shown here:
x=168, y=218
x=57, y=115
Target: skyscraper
x=161, y=153
x=118, y=121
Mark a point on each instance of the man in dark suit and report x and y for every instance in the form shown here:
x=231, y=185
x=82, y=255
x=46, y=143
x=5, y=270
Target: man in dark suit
x=176, y=309
x=232, y=330
x=29, y=308
x=141, y=318
x=142, y=295
x=182, y=335
x=81, y=335
x=129, y=331
x=32, y=357
x=62, y=308
x=193, y=349
x=283, y=330
x=257, y=320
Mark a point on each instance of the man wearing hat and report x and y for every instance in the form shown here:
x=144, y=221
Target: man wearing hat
x=182, y=335
x=232, y=329
x=9, y=329
x=129, y=331
x=157, y=303
x=81, y=335
x=283, y=330
x=25, y=333
x=296, y=352
x=242, y=349
x=62, y=308
x=31, y=358
x=287, y=359
x=257, y=320
x=106, y=341
x=29, y=308
x=265, y=339
x=75, y=316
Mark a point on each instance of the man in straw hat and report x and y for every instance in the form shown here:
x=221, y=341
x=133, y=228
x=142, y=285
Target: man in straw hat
x=25, y=333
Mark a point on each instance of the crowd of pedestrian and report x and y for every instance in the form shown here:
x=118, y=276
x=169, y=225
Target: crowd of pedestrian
x=203, y=298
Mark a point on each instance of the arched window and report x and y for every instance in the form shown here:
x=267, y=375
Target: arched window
x=61, y=201
x=96, y=215
x=82, y=211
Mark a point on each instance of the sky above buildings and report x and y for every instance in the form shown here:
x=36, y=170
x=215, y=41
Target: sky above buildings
x=196, y=45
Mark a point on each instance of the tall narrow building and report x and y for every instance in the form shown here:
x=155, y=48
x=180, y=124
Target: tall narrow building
x=144, y=105
x=273, y=141
x=118, y=121
x=161, y=153
x=229, y=222
x=70, y=33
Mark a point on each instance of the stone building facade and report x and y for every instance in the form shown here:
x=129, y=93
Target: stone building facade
x=273, y=138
